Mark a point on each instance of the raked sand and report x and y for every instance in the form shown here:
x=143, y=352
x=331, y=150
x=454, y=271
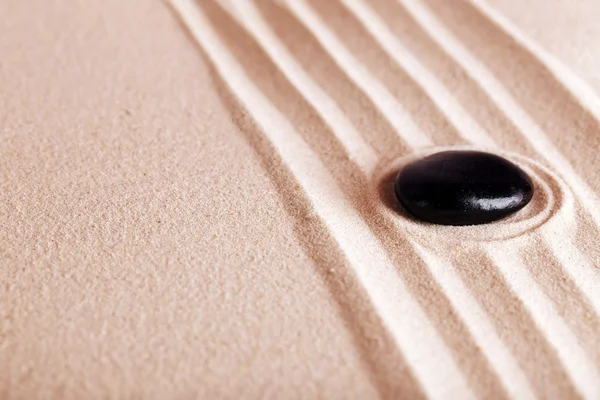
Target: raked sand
x=195, y=200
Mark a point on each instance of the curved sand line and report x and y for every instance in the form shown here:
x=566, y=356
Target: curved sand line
x=575, y=362
x=578, y=88
x=382, y=358
x=385, y=101
x=365, y=115
x=578, y=357
x=359, y=47
x=439, y=94
x=509, y=372
x=514, y=323
x=548, y=314
x=454, y=332
x=550, y=127
x=345, y=227
x=357, y=148
x=549, y=273
x=577, y=264
x=579, y=269
x=581, y=369
x=475, y=323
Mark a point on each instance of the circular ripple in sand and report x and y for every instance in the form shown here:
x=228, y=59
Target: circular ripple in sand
x=551, y=197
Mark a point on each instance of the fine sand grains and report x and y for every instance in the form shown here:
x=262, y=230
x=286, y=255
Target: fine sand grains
x=206, y=209
x=476, y=74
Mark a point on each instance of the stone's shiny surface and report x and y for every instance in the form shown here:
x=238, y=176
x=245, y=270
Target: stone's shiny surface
x=463, y=188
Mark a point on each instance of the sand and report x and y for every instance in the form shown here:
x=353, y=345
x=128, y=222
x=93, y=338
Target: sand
x=195, y=200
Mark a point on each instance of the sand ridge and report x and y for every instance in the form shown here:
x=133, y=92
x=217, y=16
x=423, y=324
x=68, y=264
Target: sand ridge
x=196, y=202
x=566, y=357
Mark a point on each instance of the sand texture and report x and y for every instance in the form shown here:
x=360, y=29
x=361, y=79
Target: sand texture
x=196, y=200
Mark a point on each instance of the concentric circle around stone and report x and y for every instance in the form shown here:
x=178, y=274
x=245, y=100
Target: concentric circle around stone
x=551, y=197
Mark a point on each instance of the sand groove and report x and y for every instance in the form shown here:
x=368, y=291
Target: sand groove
x=439, y=94
x=408, y=284
x=377, y=348
x=346, y=36
x=478, y=323
x=506, y=135
x=427, y=356
x=483, y=331
x=384, y=230
x=515, y=84
x=475, y=137
x=378, y=93
x=583, y=271
x=548, y=272
x=514, y=323
x=356, y=147
x=579, y=366
x=332, y=78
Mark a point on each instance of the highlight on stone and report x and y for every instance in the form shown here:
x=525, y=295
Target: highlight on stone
x=463, y=188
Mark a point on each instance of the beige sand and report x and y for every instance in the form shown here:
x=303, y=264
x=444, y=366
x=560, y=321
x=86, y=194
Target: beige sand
x=195, y=200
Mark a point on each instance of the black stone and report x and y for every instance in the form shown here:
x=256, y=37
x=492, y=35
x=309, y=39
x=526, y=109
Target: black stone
x=463, y=188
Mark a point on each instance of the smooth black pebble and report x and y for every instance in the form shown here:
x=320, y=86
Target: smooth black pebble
x=463, y=188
